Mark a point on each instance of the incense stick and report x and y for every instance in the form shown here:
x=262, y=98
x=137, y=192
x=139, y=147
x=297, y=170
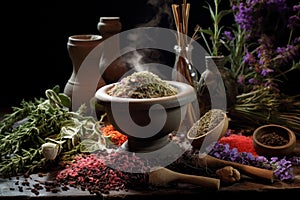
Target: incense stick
x=181, y=21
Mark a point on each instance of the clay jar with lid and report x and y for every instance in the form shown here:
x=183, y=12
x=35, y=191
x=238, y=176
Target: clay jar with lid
x=109, y=26
x=111, y=63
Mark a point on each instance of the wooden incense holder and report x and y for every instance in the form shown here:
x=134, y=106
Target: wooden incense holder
x=254, y=172
x=163, y=176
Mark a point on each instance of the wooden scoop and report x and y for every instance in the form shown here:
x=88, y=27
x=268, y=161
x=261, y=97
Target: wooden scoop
x=162, y=176
x=254, y=172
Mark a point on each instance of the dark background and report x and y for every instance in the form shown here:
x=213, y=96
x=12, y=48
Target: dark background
x=35, y=35
x=34, y=39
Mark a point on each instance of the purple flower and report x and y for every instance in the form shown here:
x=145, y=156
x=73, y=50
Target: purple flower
x=249, y=58
x=283, y=170
x=296, y=7
x=294, y=21
x=228, y=35
x=280, y=5
x=287, y=53
x=244, y=17
x=266, y=71
x=297, y=40
x=252, y=81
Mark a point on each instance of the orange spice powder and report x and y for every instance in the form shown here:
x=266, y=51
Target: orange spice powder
x=116, y=137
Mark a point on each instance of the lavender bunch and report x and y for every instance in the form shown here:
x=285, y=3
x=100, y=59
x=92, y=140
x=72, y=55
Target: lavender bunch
x=263, y=47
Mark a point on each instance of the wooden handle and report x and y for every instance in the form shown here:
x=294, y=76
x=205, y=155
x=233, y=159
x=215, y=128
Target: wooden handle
x=203, y=181
x=248, y=170
x=163, y=176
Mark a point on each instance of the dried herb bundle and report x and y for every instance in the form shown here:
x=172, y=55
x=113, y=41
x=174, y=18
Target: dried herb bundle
x=141, y=85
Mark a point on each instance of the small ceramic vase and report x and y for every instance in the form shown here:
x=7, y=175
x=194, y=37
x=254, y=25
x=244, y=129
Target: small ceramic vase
x=79, y=47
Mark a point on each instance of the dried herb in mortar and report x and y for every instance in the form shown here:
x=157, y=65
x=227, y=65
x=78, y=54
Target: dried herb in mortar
x=141, y=85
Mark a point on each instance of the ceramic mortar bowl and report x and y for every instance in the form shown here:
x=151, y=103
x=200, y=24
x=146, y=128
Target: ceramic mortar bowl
x=217, y=130
x=273, y=140
x=146, y=122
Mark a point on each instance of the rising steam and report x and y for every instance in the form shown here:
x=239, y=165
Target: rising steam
x=162, y=17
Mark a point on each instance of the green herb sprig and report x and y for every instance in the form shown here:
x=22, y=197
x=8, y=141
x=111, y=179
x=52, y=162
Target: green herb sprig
x=46, y=123
x=24, y=131
x=214, y=33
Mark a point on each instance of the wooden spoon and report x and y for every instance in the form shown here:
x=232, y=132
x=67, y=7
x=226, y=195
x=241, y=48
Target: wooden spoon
x=162, y=176
x=251, y=171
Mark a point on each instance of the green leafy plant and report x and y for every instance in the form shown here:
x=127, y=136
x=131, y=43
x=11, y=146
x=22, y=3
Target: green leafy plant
x=40, y=133
x=212, y=35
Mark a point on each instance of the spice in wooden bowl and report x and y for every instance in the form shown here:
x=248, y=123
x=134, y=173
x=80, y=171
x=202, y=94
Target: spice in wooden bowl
x=213, y=123
x=273, y=140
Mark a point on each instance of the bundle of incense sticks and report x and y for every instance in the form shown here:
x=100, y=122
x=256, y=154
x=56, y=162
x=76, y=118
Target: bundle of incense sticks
x=181, y=17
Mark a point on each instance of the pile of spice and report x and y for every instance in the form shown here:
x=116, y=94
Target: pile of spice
x=272, y=139
x=206, y=123
x=116, y=137
x=241, y=142
x=143, y=84
x=96, y=173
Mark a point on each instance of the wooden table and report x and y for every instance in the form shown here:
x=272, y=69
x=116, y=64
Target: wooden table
x=246, y=187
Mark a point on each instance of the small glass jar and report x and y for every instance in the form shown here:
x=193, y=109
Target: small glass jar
x=184, y=70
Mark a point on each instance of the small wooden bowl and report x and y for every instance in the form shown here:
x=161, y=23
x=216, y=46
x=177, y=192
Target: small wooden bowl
x=268, y=148
x=209, y=137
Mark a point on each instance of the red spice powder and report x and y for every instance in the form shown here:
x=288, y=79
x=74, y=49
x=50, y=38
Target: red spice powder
x=241, y=142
